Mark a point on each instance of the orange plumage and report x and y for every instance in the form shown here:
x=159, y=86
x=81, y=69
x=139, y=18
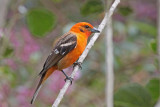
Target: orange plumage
x=66, y=51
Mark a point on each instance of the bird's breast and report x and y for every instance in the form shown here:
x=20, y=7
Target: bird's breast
x=72, y=56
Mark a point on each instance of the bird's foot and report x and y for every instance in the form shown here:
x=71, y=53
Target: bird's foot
x=68, y=78
x=77, y=63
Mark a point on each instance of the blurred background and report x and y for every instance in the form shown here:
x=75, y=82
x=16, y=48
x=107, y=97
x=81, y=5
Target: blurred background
x=29, y=27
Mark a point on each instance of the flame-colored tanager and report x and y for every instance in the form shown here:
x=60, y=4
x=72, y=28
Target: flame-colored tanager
x=66, y=51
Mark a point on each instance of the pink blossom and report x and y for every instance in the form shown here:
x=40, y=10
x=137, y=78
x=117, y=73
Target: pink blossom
x=22, y=94
x=78, y=75
x=5, y=89
x=1, y=97
x=11, y=63
x=24, y=44
x=14, y=40
x=4, y=92
x=69, y=71
x=1, y=32
x=145, y=10
x=55, y=83
x=57, y=79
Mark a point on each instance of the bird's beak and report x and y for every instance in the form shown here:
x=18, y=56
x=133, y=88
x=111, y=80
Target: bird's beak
x=95, y=30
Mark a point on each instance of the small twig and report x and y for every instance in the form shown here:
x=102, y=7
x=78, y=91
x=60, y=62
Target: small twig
x=83, y=56
x=109, y=58
x=109, y=65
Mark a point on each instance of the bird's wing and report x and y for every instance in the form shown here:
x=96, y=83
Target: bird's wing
x=62, y=47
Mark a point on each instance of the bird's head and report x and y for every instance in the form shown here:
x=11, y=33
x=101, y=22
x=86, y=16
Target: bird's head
x=84, y=28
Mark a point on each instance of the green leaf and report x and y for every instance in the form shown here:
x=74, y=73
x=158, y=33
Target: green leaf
x=125, y=10
x=57, y=1
x=153, y=86
x=146, y=28
x=8, y=51
x=40, y=21
x=132, y=95
x=153, y=45
x=6, y=73
x=91, y=7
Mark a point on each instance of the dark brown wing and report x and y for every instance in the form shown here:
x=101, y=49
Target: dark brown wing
x=63, y=46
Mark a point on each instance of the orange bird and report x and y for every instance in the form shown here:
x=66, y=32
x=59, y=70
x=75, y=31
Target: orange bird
x=66, y=51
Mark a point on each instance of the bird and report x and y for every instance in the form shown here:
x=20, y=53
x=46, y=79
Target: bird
x=66, y=52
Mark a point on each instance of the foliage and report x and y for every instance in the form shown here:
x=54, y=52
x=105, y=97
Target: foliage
x=132, y=95
x=125, y=10
x=153, y=45
x=40, y=21
x=8, y=51
x=57, y=1
x=92, y=7
x=146, y=28
x=153, y=86
x=5, y=70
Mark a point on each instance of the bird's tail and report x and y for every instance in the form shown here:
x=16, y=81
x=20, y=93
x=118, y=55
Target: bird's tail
x=43, y=78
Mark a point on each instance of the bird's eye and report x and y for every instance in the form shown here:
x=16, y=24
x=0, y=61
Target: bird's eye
x=86, y=26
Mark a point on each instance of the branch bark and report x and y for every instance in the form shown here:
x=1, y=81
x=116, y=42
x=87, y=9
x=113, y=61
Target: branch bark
x=157, y=104
x=83, y=56
x=109, y=65
x=109, y=62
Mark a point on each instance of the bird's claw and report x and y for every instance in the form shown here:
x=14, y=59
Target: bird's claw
x=77, y=63
x=68, y=78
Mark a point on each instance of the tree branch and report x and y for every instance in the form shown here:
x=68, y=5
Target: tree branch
x=109, y=65
x=109, y=61
x=83, y=56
